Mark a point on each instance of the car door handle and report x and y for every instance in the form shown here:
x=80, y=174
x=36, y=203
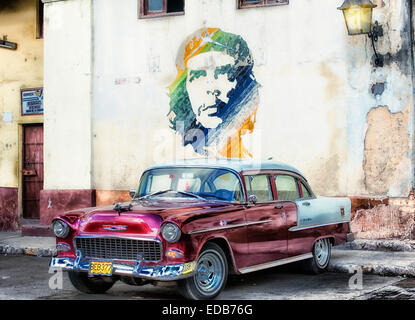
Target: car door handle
x=306, y=203
x=279, y=206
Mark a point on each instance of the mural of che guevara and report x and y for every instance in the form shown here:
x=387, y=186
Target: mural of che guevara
x=214, y=98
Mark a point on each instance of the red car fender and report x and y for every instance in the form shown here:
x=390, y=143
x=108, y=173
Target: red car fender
x=221, y=241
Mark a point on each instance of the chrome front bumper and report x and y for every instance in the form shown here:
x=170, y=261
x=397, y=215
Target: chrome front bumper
x=139, y=269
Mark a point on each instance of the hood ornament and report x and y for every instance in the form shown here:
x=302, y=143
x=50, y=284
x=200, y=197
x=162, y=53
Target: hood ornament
x=119, y=208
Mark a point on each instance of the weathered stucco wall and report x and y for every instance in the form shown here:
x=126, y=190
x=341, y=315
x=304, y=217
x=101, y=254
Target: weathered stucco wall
x=300, y=65
x=68, y=88
x=19, y=69
x=323, y=106
x=380, y=112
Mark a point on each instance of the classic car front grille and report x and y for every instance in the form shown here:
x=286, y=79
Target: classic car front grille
x=119, y=248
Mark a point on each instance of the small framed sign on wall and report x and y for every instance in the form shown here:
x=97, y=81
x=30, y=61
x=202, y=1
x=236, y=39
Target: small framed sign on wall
x=32, y=101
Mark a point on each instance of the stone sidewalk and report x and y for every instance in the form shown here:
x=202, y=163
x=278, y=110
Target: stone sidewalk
x=381, y=257
x=385, y=263
x=14, y=243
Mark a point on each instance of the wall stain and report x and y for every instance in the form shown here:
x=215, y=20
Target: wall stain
x=8, y=5
x=386, y=143
x=334, y=83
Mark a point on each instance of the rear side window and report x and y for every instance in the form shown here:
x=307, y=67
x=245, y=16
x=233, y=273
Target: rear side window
x=304, y=191
x=259, y=186
x=286, y=188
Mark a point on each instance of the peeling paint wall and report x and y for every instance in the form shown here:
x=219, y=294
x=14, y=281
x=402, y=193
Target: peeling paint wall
x=386, y=147
x=19, y=69
x=380, y=126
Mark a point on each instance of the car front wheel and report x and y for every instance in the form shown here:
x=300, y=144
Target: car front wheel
x=86, y=284
x=210, y=277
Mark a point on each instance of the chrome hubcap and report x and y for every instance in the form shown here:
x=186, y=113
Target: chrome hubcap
x=321, y=252
x=209, y=276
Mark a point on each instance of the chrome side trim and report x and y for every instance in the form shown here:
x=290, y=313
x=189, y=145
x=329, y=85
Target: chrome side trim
x=275, y=263
x=310, y=226
x=229, y=227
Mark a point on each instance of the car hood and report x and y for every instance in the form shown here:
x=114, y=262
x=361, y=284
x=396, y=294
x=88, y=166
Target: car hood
x=145, y=217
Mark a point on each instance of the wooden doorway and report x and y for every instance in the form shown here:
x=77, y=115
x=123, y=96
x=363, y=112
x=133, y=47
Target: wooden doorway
x=32, y=173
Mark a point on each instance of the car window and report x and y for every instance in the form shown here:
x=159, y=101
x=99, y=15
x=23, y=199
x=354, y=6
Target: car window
x=188, y=184
x=286, y=187
x=206, y=188
x=161, y=182
x=227, y=183
x=304, y=190
x=208, y=183
x=259, y=186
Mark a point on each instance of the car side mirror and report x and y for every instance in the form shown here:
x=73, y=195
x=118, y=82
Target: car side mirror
x=132, y=193
x=252, y=199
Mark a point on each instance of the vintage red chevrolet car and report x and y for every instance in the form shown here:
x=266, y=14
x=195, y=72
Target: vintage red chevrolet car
x=195, y=221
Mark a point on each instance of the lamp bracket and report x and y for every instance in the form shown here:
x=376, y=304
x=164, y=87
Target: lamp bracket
x=7, y=44
x=374, y=34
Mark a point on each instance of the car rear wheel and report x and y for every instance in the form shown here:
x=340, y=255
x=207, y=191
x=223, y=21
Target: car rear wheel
x=210, y=277
x=321, y=256
x=86, y=284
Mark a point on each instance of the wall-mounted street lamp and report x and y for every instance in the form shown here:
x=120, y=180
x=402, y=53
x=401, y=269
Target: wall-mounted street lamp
x=358, y=17
x=7, y=44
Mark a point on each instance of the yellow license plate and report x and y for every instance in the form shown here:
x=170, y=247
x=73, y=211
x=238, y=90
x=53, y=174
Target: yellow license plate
x=101, y=267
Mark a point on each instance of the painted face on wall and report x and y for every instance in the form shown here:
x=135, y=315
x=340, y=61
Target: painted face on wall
x=209, y=86
x=214, y=98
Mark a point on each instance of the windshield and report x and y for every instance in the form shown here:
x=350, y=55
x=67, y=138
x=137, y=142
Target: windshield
x=206, y=183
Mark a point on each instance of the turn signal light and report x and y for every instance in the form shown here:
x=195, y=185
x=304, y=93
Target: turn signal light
x=174, y=253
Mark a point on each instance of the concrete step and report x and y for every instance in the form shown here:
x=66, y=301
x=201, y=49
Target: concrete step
x=36, y=230
x=12, y=243
x=373, y=262
x=380, y=245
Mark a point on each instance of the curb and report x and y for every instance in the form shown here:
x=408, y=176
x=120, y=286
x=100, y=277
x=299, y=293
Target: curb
x=380, y=245
x=39, y=252
x=381, y=270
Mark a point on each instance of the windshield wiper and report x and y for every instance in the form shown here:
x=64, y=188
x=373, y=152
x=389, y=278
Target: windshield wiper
x=192, y=195
x=154, y=194
x=170, y=190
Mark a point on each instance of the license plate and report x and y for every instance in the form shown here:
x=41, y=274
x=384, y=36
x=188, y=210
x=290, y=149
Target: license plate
x=100, y=268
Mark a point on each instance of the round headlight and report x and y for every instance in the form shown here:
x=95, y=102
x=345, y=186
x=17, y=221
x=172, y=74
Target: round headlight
x=60, y=228
x=170, y=232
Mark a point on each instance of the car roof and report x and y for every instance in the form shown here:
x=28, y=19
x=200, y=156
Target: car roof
x=229, y=163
